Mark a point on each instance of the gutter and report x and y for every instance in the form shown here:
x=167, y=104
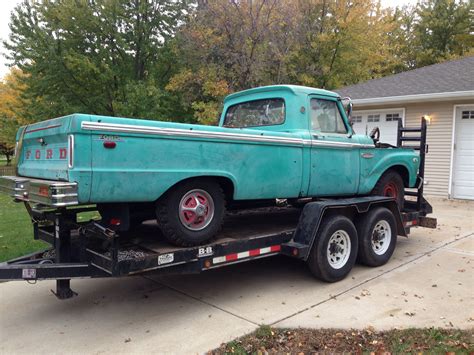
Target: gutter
x=438, y=96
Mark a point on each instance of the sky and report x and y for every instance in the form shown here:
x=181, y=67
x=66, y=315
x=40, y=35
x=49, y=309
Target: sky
x=8, y=5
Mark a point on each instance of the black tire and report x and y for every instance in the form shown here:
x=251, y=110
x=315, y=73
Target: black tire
x=318, y=261
x=168, y=213
x=379, y=252
x=391, y=184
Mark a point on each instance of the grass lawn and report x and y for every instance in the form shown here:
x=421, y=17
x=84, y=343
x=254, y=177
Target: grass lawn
x=16, y=231
x=3, y=160
x=328, y=341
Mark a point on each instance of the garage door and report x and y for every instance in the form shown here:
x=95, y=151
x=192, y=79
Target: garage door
x=463, y=174
x=386, y=120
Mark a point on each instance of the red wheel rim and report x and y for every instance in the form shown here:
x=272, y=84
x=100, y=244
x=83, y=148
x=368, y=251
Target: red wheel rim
x=390, y=190
x=196, y=210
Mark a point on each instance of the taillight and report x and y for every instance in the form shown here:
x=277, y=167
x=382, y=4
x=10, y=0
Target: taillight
x=15, y=153
x=70, y=149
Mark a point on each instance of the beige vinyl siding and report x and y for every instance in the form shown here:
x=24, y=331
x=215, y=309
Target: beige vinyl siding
x=439, y=138
x=438, y=159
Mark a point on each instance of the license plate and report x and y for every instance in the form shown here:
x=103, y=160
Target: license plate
x=28, y=274
x=165, y=259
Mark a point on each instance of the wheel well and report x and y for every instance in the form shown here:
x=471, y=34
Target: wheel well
x=402, y=171
x=226, y=184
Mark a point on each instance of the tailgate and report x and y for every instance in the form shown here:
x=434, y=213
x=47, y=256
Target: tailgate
x=44, y=149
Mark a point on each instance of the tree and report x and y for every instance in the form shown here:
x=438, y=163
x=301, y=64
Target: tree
x=95, y=56
x=11, y=90
x=443, y=30
x=341, y=43
x=230, y=45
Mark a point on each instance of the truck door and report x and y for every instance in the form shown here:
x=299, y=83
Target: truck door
x=334, y=152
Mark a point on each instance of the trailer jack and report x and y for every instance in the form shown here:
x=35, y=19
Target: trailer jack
x=63, y=290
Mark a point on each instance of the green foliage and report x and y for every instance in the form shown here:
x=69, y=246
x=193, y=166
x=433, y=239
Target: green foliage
x=101, y=57
x=264, y=331
x=444, y=30
x=11, y=90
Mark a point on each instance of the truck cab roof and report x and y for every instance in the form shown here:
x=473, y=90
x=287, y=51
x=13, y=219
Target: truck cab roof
x=295, y=89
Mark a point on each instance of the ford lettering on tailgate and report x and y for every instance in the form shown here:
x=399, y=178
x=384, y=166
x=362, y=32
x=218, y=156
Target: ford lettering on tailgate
x=46, y=154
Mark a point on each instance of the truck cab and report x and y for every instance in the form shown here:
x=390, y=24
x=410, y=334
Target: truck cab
x=340, y=162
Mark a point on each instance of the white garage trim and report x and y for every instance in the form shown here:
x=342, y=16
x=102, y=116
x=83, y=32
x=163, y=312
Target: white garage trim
x=416, y=98
x=453, y=135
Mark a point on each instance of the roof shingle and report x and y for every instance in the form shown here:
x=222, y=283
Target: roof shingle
x=451, y=76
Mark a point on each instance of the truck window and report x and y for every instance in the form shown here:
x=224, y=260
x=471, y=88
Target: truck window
x=255, y=113
x=325, y=117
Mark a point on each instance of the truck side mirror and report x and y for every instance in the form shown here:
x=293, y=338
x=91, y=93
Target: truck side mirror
x=348, y=106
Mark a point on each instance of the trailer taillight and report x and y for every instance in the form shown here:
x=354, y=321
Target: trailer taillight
x=115, y=222
x=70, y=149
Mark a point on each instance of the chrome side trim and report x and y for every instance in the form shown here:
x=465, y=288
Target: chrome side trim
x=242, y=137
x=335, y=144
x=178, y=132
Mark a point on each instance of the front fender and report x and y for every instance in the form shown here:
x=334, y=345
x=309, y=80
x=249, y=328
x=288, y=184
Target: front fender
x=383, y=160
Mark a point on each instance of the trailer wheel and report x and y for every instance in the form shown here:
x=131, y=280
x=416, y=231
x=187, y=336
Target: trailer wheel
x=391, y=184
x=377, y=237
x=334, y=250
x=192, y=212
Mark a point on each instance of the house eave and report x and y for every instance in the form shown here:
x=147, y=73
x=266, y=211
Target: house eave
x=405, y=99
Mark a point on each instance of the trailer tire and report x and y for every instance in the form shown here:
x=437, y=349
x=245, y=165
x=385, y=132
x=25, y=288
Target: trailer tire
x=377, y=237
x=334, y=250
x=181, y=225
x=391, y=184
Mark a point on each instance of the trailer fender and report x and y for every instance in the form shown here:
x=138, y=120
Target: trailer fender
x=314, y=212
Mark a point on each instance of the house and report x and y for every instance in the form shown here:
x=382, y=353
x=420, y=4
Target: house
x=444, y=93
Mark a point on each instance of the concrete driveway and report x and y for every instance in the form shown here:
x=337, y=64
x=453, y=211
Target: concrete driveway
x=428, y=282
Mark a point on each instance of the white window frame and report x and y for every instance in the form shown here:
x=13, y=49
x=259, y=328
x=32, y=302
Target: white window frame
x=382, y=112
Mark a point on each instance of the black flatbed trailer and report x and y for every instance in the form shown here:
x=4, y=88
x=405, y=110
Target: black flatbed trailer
x=86, y=250
x=319, y=234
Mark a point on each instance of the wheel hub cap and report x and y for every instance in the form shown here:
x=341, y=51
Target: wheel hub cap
x=381, y=237
x=196, y=209
x=339, y=249
x=390, y=190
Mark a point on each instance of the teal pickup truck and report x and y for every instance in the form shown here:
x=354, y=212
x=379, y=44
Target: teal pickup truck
x=283, y=141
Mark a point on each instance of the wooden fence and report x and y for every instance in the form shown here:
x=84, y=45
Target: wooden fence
x=7, y=170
